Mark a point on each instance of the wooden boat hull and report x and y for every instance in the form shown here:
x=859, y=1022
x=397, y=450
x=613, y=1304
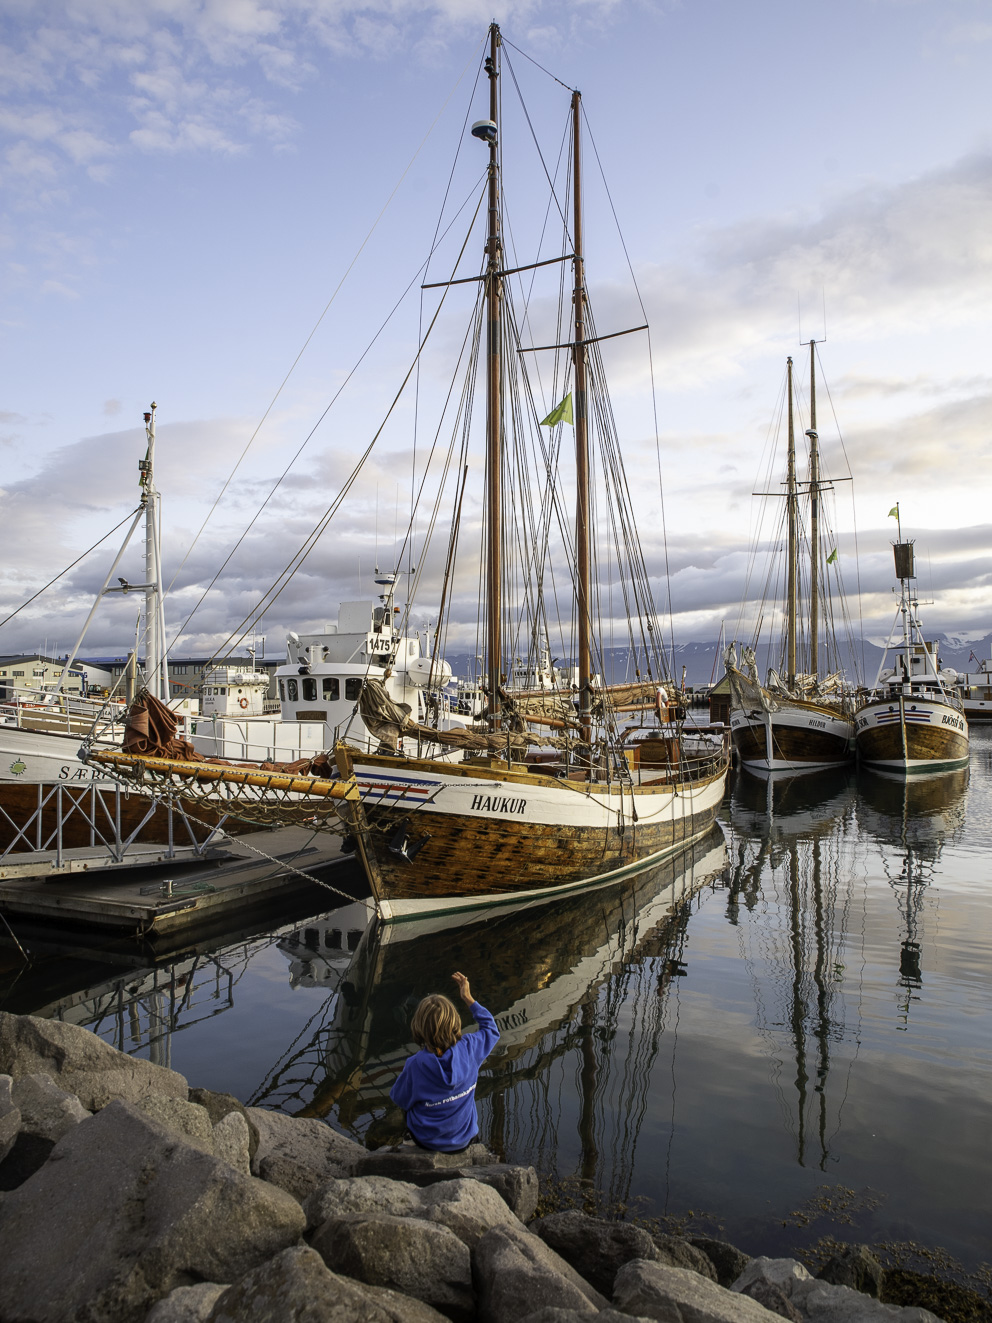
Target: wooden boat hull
x=795, y=737
x=912, y=734
x=443, y=837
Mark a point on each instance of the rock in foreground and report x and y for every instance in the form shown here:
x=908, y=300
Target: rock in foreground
x=124, y=1211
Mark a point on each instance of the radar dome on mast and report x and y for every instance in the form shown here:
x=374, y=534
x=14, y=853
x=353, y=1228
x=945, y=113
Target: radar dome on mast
x=484, y=130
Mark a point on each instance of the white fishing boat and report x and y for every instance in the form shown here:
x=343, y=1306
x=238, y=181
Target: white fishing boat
x=911, y=721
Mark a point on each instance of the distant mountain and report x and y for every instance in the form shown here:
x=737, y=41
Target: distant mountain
x=958, y=651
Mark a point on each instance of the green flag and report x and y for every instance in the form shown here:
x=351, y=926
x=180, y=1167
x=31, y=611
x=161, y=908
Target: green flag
x=893, y=513
x=563, y=413
x=832, y=558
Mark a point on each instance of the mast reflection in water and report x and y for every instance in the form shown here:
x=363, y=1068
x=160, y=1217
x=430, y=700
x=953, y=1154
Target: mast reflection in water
x=579, y=989
x=790, y=850
x=805, y=1007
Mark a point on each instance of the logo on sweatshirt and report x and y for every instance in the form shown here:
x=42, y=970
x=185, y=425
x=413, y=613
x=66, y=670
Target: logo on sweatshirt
x=454, y=1098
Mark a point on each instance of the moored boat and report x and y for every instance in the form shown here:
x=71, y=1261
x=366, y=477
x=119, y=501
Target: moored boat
x=521, y=803
x=911, y=721
x=797, y=720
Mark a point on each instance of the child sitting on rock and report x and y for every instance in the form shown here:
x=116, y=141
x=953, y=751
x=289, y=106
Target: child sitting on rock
x=436, y=1087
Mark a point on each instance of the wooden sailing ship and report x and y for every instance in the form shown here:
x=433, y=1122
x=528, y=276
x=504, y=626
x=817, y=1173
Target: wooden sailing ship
x=911, y=721
x=797, y=720
x=520, y=804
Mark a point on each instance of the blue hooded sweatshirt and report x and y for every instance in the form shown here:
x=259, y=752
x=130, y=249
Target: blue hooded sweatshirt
x=438, y=1092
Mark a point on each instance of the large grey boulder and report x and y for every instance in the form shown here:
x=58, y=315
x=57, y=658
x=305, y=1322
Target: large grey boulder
x=183, y=1118
x=46, y=1110
x=187, y=1304
x=784, y=1273
x=466, y=1207
x=595, y=1248
x=404, y=1162
x=555, y=1314
x=402, y=1308
x=854, y=1266
x=10, y=1117
x=232, y=1142
x=678, y=1295
x=517, y=1186
x=300, y=1154
x=516, y=1273
x=123, y=1212
x=81, y=1063
x=822, y=1302
x=406, y=1254
x=352, y=1196
x=679, y=1253
x=219, y=1105
x=294, y=1285
x=728, y=1261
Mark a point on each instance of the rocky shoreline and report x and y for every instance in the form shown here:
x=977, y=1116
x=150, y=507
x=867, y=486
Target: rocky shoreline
x=126, y=1195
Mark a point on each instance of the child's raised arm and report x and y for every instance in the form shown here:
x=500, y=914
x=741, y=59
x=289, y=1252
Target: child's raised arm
x=463, y=988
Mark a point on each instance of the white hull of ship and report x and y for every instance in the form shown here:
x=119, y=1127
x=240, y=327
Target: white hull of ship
x=763, y=739
x=41, y=756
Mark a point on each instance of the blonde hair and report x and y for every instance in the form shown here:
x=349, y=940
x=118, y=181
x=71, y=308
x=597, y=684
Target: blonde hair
x=436, y=1024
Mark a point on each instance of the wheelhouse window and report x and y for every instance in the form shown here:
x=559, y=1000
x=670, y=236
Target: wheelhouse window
x=294, y=691
x=352, y=689
x=282, y=690
x=332, y=688
x=309, y=689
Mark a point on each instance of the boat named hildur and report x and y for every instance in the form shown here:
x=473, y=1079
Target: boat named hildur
x=798, y=720
x=535, y=796
x=911, y=721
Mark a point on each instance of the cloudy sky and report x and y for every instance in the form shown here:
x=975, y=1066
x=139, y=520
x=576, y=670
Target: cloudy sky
x=188, y=184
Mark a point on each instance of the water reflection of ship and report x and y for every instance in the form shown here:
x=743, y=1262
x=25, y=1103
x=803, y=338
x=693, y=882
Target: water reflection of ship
x=136, y=996
x=558, y=978
x=911, y=820
x=789, y=843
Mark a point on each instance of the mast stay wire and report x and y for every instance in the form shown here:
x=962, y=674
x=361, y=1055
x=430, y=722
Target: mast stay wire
x=130, y=515
x=316, y=325
x=233, y=637
x=654, y=392
x=272, y=594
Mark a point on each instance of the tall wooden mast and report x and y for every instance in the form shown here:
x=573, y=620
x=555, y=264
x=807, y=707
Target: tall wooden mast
x=791, y=510
x=582, y=527
x=814, y=520
x=494, y=336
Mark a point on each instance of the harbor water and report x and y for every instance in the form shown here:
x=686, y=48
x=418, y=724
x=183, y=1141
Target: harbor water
x=782, y=1035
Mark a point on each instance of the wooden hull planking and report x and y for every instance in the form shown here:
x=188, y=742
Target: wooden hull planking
x=912, y=735
x=792, y=738
x=494, y=837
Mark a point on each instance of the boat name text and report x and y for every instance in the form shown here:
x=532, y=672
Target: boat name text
x=497, y=804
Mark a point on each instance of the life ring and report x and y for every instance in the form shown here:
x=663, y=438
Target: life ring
x=242, y=702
